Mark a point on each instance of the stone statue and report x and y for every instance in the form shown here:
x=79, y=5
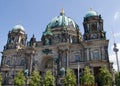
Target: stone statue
x=47, y=41
x=26, y=72
x=62, y=71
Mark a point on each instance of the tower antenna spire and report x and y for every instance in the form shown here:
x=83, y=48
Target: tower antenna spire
x=115, y=49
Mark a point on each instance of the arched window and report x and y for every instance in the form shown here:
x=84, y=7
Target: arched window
x=77, y=58
x=22, y=62
x=8, y=62
x=95, y=55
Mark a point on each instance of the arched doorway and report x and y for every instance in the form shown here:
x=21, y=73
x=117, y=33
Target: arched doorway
x=48, y=63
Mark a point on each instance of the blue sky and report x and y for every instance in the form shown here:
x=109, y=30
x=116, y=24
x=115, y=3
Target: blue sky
x=34, y=15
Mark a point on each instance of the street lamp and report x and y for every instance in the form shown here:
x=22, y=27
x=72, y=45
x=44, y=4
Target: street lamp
x=53, y=65
x=26, y=72
x=78, y=67
x=78, y=74
x=115, y=49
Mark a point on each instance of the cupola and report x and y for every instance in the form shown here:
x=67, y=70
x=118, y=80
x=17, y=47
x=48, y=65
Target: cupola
x=91, y=13
x=16, y=38
x=93, y=26
x=18, y=27
x=62, y=21
x=61, y=29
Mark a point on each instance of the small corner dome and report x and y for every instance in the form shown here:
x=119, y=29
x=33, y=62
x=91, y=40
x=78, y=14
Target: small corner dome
x=18, y=27
x=62, y=20
x=90, y=13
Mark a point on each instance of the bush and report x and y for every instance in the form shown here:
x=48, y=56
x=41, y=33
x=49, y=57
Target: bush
x=88, y=78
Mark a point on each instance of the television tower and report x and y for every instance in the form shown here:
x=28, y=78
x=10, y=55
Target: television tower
x=115, y=49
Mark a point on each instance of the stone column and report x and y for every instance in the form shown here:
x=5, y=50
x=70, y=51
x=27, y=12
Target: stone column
x=31, y=62
x=66, y=52
x=88, y=53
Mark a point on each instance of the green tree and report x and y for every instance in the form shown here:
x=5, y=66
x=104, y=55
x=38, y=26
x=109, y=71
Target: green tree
x=49, y=79
x=19, y=79
x=105, y=76
x=70, y=78
x=88, y=77
x=0, y=79
x=35, y=79
x=117, y=79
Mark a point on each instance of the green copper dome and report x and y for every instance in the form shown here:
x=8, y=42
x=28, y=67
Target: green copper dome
x=18, y=27
x=62, y=20
x=90, y=13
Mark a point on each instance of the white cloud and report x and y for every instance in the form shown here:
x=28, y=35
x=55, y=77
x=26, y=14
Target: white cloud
x=116, y=34
x=112, y=57
x=116, y=15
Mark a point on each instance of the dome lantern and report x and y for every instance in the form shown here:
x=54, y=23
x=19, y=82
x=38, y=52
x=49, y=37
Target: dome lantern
x=90, y=13
x=62, y=12
x=18, y=27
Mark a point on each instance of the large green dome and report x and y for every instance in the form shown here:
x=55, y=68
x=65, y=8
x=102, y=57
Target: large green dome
x=90, y=13
x=62, y=20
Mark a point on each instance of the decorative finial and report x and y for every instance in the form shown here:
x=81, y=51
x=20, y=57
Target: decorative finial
x=33, y=36
x=91, y=8
x=62, y=11
x=19, y=23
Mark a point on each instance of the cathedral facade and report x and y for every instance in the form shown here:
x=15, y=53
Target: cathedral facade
x=62, y=46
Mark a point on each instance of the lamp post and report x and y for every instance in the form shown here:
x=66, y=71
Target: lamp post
x=53, y=66
x=115, y=49
x=78, y=74
x=26, y=72
x=78, y=68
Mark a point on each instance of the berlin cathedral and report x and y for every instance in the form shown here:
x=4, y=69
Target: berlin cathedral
x=61, y=46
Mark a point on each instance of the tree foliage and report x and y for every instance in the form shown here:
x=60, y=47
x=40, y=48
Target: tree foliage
x=88, y=77
x=70, y=78
x=35, y=79
x=105, y=76
x=117, y=79
x=19, y=79
x=0, y=79
x=49, y=79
